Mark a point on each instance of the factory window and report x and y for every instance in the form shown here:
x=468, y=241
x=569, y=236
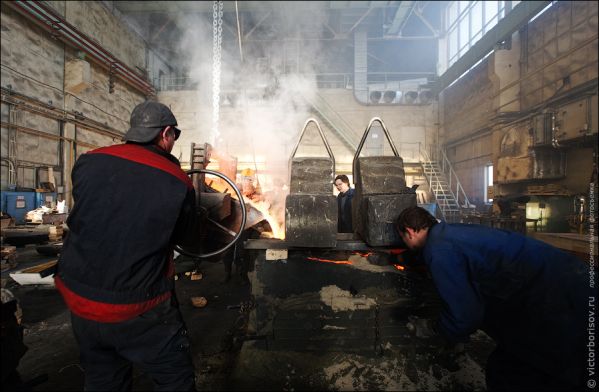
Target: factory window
x=489, y=183
x=467, y=22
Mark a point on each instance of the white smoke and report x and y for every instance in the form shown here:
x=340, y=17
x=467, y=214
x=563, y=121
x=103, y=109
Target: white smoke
x=264, y=99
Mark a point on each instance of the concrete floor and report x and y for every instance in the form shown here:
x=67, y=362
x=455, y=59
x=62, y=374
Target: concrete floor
x=221, y=358
x=52, y=348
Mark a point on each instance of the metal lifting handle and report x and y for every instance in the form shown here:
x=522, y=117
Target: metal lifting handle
x=359, y=150
x=324, y=139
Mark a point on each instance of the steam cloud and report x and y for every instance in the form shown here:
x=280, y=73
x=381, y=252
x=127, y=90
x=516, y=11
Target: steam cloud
x=263, y=101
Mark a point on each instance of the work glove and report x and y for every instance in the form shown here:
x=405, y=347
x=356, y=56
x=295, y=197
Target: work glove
x=421, y=327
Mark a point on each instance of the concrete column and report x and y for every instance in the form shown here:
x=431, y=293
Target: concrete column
x=69, y=160
x=504, y=71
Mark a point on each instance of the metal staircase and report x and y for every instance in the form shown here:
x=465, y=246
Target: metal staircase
x=445, y=186
x=332, y=119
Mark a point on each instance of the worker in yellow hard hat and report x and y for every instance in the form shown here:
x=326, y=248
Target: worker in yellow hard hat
x=247, y=172
x=250, y=188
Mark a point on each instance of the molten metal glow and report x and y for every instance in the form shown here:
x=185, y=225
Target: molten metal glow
x=330, y=261
x=277, y=230
x=399, y=267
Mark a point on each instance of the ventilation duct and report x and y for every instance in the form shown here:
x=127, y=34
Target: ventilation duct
x=361, y=65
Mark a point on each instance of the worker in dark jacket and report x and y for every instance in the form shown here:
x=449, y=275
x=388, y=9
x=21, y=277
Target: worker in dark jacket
x=132, y=204
x=530, y=297
x=344, y=199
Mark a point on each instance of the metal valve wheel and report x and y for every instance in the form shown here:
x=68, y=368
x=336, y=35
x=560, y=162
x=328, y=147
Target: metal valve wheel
x=241, y=226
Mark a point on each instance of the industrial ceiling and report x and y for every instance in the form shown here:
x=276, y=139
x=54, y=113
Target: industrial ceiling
x=402, y=34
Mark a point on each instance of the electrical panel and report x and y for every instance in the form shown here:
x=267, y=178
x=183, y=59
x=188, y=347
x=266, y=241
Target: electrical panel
x=574, y=121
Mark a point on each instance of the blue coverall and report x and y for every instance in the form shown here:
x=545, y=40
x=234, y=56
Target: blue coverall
x=530, y=297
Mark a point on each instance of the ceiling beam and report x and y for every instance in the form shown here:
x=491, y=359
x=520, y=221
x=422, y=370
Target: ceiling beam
x=246, y=36
x=426, y=22
x=360, y=20
x=161, y=29
x=401, y=16
x=518, y=17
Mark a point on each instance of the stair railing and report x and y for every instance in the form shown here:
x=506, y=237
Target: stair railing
x=454, y=181
x=434, y=180
x=334, y=120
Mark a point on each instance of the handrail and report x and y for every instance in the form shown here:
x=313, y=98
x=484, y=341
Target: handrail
x=447, y=168
x=452, y=177
x=343, y=128
x=434, y=182
x=338, y=79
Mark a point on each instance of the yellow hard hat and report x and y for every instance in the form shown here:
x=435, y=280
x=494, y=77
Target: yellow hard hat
x=247, y=172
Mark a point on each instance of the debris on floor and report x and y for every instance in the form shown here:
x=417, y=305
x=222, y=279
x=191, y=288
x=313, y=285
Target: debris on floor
x=199, y=302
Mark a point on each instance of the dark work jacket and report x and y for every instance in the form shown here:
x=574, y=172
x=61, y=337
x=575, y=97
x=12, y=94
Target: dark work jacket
x=132, y=204
x=344, y=220
x=530, y=297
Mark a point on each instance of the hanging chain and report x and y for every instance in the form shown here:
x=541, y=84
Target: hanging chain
x=217, y=32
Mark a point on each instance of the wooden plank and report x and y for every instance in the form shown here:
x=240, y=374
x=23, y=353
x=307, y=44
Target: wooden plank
x=572, y=242
x=39, y=268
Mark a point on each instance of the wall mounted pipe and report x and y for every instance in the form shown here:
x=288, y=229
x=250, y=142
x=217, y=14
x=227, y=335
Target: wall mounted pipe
x=50, y=21
x=12, y=171
x=33, y=105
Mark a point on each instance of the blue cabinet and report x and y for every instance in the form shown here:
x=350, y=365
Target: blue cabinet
x=16, y=204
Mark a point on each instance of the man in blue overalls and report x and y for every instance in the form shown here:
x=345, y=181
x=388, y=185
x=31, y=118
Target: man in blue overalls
x=530, y=297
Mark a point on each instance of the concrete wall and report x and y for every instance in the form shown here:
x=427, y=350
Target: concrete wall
x=555, y=53
x=407, y=124
x=561, y=43
x=467, y=110
x=41, y=68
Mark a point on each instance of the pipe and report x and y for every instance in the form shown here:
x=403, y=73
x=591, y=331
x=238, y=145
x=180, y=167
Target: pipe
x=47, y=18
x=33, y=105
x=12, y=171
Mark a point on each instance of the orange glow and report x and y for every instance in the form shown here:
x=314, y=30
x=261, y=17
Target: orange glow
x=277, y=229
x=330, y=261
x=399, y=267
x=362, y=254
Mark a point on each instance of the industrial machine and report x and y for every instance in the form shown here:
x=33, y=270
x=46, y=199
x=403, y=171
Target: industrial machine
x=319, y=290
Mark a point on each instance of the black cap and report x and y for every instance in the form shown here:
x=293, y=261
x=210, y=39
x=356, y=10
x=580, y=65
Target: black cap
x=147, y=120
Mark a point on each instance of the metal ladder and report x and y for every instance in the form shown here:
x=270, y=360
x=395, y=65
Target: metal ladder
x=445, y=186
x=199, y=159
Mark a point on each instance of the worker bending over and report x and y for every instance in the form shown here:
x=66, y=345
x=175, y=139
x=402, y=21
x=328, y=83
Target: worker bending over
x=530, y=297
